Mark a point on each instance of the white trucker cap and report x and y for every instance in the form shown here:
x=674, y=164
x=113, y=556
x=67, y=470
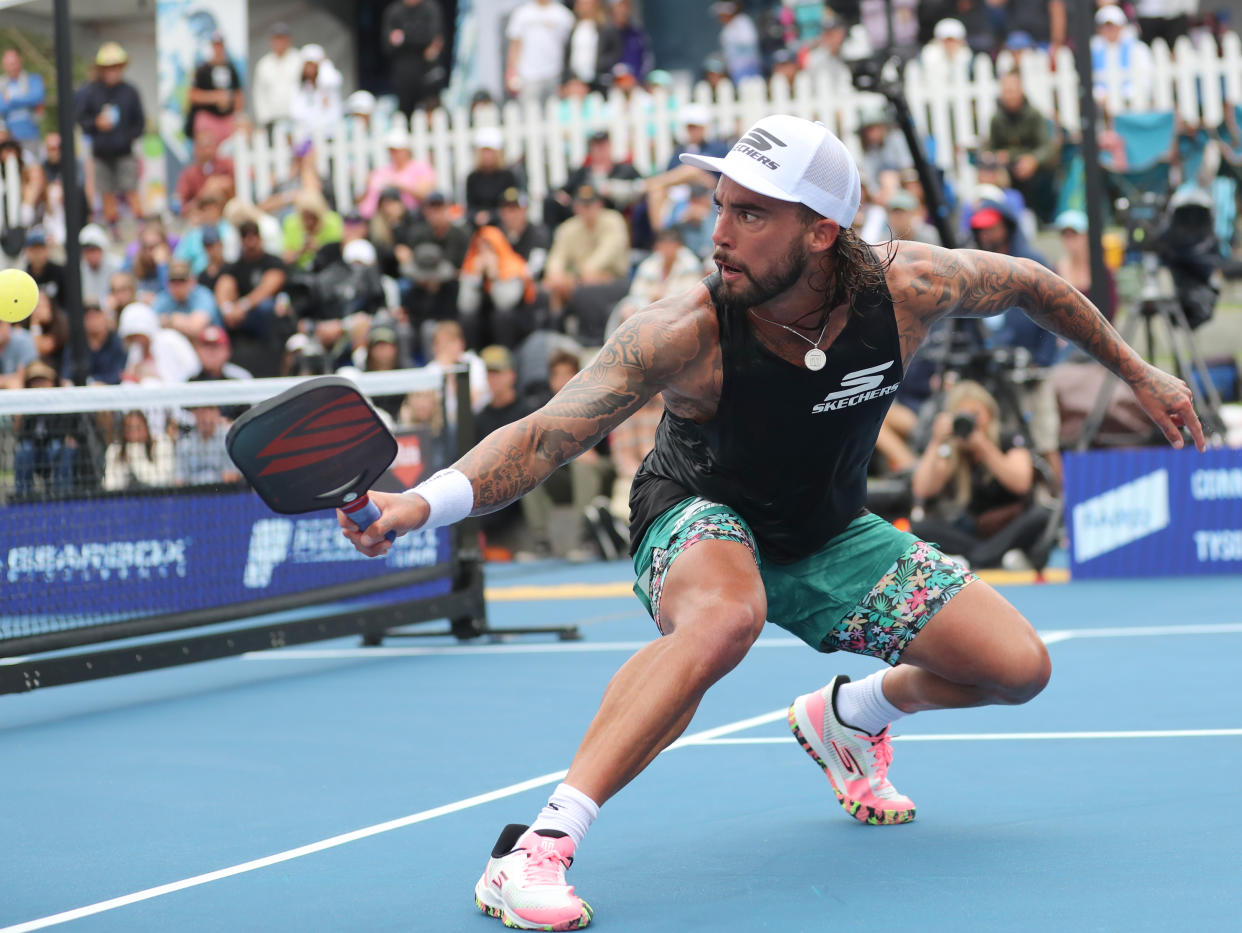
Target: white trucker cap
x=795, y=160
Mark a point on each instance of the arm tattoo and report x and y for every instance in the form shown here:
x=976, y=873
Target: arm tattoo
x=937, y=283
x=639, y=360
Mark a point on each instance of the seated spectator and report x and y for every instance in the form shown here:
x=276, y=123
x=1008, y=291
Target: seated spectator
x=201, y=458
x=495, y=293
x=206, y=164
x=48, y=275
x=156, y=354
x=122, y=291
x=208, y=215
x=884, y=154
x=907, y=219
x=185, y=305
x=106, y=353
x=1075, y=263
x=628, y=444
x=310, y=226
x=149, y=262
x=432, y=298
x=17, y=351
x=391, y=229
x=448, y=350
x=97, y=265
x=784, y=67
x=140, y=459
x=48, y=445
x=303, y=175
x=669, y=270
x=490, y=178
x=415, y=179
x=49, y=326
x=977, y=484
x=214, y=349
x=245, y=293
x=529, y=240
x=237, y=211
x=618, y=183
x=1022, y=140
x=585, y=475
x=213, y=253
x=589, y=259
x=695, y=220
x=504, y=526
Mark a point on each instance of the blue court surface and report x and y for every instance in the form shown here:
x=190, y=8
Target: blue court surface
x=339, y=788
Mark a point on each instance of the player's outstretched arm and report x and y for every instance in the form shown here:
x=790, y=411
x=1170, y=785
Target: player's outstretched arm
x=929, y=283
x=645, y=355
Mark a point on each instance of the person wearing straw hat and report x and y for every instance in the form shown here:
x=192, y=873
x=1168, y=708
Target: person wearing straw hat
x=110, y=112
x=776, y=373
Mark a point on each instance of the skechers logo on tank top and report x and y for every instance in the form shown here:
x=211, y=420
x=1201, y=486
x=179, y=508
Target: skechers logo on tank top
x=755, y=143
x=787, y=447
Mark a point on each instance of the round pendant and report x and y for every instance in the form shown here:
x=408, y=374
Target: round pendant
x=815, y=359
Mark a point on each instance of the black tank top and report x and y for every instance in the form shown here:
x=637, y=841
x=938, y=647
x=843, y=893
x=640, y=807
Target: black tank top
x=787, y=448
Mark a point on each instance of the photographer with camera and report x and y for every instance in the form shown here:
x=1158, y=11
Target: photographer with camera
x=975, y=486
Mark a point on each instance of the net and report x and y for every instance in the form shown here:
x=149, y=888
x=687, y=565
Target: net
x=124, y=516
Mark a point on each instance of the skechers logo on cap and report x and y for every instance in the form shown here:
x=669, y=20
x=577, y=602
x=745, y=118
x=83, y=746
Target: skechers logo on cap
x=755, y=143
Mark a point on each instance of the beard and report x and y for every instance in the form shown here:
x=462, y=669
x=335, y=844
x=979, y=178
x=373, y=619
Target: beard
x=759, y=289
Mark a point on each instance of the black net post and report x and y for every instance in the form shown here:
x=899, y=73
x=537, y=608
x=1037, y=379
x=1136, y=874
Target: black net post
x=66, y=112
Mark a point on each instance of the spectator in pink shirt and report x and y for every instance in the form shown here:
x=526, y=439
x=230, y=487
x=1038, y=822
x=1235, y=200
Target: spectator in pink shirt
x=414, y=179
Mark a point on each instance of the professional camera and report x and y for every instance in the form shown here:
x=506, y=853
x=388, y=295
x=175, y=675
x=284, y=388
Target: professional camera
x=1141, y=218
x=964, y=424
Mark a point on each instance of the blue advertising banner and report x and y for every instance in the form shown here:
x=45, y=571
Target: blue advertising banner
x=1154, y=512
x=85, y=562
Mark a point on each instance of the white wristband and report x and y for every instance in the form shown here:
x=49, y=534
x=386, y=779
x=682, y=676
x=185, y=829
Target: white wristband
x=449, y=495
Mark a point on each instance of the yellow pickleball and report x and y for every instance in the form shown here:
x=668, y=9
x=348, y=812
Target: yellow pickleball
x=18, y=295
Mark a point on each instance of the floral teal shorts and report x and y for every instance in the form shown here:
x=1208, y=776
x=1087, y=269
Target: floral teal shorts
x=869, y=590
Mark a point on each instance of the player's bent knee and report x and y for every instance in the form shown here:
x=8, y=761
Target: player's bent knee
x=722, y=635
x=1025, y=676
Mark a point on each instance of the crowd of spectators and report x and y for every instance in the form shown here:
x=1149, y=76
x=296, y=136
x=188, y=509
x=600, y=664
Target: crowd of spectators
x=415, y=274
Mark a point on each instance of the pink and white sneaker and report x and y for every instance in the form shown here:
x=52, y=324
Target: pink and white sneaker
x=524, y=882
x=856, y=762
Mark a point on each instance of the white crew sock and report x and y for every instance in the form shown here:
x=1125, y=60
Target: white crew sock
x=862, y=704
x=568, y=810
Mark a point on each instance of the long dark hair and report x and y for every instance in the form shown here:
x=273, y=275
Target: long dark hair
x=850, y=268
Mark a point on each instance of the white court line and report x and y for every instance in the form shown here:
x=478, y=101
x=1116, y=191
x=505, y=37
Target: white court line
x=990, y=737
x=574, y=647
x=334, y=841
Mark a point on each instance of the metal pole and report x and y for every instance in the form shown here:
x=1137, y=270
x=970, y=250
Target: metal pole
x=1081, y=28
x=73, y=195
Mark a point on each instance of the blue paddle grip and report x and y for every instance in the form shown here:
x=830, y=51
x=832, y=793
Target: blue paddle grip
x=366, y=516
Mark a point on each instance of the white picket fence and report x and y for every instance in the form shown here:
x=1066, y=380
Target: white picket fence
x=952, y=103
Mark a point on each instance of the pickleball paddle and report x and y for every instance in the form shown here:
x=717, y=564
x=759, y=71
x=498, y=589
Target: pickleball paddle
x=319, y=445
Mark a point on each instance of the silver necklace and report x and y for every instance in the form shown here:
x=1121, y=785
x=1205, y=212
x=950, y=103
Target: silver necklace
x=815, y=357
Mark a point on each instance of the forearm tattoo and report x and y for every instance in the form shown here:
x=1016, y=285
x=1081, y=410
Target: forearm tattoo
x=639, y=359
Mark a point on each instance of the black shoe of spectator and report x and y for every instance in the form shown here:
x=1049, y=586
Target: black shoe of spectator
x=609, y=535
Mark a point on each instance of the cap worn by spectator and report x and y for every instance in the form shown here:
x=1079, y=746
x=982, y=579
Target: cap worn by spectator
x=902, y=200
x=246, y=228
x=35, y=236
x=93, y=235
x=278, y=29
x=1112, y=15
x=396, y=138
x=599, y=136
x=313, y=53
x=138, y=320
x=815, y=168
x=390, y=193
x=435, y=199
x=178, y=270
x=714, y=65
x=111, y=54
x=489, y=137
x=512, y=197
x=784, y=57
x=660, y=78
x=353, y=219
x=382, y=334
x=359, y=251
x=430, y=264
x=496, y=358
x=1072, y=220
x=723, y=6
x=211, y=236
x=623, y=74
x=360, y=103
x=695, y=115
x=213, y=335
x=302, y=149
x=37, y=369
x=950, y=29
x=217, y=37
x=873, y=116
x=1019, y=41
x=586, y=194
x=985, y=218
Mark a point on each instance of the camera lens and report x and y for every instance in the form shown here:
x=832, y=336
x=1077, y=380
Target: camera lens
x=963, y=425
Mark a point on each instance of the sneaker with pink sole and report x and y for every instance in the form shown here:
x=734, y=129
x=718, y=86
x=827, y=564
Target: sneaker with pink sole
x=524, y=882
x=855, y=761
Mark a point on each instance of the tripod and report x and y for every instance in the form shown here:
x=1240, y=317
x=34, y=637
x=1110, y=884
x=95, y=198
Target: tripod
x=1152, y=305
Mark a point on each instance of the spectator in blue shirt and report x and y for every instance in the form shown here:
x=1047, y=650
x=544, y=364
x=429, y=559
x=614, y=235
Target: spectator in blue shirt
x=185, y=305
x=105, y=351
x=17, y=351
x=21, y=99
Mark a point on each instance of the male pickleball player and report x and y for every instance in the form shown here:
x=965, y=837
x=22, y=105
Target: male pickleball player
x=776, y=372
